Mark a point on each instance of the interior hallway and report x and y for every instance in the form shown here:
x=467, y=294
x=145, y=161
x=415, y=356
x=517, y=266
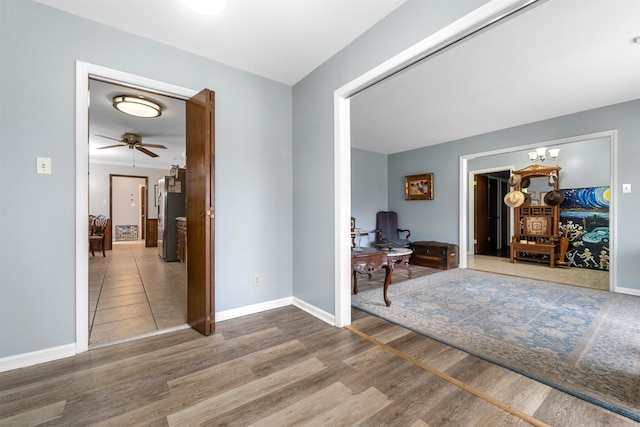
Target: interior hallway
x=133, y=292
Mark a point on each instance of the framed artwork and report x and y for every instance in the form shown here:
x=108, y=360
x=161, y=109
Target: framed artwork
x=535, y=202
x=536, y=225
x=419, y=187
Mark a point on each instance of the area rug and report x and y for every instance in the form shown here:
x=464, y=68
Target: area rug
x=582, y=341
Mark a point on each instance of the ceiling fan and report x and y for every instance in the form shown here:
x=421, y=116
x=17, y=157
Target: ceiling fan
x=132, y=141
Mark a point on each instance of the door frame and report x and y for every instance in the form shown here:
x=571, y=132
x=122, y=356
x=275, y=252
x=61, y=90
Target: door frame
x=480, y=18
x=466, y=205
x=84, y=71
x=472, y=203
x=146, y=205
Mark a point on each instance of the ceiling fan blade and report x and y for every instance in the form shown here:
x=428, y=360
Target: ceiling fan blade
x=152, y=145
x=145, y=151
x=112, y=146
x=108, y=137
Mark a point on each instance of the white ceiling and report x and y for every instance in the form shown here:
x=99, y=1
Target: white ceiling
x=557, y=58
x=282, y=40
x=167, y=130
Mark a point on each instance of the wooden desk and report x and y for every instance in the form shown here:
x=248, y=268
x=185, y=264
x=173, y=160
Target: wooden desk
x=369, y=261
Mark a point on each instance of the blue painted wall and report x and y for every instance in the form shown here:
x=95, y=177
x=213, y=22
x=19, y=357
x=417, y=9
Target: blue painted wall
x=39, y=49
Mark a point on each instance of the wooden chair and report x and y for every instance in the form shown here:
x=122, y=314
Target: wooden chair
x=97, y=227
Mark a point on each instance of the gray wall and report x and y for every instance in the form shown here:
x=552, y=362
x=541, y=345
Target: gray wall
x=368, y=190
x=313, y=149
x=39, y=49
x=441, y=214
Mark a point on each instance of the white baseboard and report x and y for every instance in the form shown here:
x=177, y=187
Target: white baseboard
x=252, y=309
x=315, y=311
x=36, y=357
x=55, y=353
x=628, y=291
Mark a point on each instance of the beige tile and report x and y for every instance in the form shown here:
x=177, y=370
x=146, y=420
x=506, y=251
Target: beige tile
x=123, y=312
x=561, y=274
x=123, y=284
x=122, y=300
x=122, y=329
x=112, y=292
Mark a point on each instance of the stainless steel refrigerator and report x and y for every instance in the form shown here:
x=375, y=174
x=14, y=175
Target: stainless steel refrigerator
x=171, y=204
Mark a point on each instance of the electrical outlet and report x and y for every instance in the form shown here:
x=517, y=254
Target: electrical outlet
x=256, y=280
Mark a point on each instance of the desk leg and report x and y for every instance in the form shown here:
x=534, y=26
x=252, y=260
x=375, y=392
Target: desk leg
x=387, y=280
x=355, y=282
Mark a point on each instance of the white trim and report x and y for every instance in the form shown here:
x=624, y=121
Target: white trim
x=221, y=316
x=483, y=16
x=464, y=213
x=471, y=203
x=36, y=357
x=342, y=189
x=84, y=71
x=628, y=291
x=314, y=311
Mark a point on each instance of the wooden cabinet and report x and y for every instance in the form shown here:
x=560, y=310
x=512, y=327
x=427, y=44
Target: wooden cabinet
x=443, y=256
x=181, y=247
x=151, y=238
x=536, y=228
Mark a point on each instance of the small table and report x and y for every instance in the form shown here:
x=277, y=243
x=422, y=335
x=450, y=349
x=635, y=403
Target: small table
x=399, y=257
x=368, y=261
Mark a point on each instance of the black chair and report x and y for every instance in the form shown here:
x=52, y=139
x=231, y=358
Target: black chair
x=388, y=233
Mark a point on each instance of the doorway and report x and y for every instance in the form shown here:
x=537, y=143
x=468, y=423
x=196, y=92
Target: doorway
x=85, y=72
x=491, y=215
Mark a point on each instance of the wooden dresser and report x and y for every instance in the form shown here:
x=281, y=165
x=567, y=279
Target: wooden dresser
x=443, y=256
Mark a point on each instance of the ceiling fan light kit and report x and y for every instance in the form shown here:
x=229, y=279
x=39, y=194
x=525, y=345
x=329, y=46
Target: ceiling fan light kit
x=133, y=141
x=138, y=107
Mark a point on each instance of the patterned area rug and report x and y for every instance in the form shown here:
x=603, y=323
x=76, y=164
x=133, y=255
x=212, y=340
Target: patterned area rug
x=582, y=341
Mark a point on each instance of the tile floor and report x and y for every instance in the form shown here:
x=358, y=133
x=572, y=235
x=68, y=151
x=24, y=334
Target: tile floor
x=584, y=277
x=132, y=292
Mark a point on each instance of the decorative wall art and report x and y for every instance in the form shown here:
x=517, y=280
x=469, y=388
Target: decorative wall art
x=419, y=187
x=584, y=219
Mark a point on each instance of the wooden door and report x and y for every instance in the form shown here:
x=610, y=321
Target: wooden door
x=481, y=237
x=200, y=173
x=143, y=212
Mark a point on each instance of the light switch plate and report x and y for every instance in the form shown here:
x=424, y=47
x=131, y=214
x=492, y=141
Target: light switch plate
x=626, y=188
x=44, y=165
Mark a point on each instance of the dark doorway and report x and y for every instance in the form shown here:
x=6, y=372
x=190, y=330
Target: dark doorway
x=491, y=214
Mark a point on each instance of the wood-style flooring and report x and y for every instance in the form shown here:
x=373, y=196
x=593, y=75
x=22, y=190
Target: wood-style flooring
x=284, y=367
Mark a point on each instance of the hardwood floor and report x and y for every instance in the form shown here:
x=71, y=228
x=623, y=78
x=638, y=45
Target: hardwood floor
x=285, y=367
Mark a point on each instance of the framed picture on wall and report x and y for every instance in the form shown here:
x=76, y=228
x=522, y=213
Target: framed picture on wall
x=419, y=187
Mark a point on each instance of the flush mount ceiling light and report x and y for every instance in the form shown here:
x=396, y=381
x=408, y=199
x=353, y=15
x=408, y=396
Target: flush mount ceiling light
x=206, y=7
x=138, y=107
